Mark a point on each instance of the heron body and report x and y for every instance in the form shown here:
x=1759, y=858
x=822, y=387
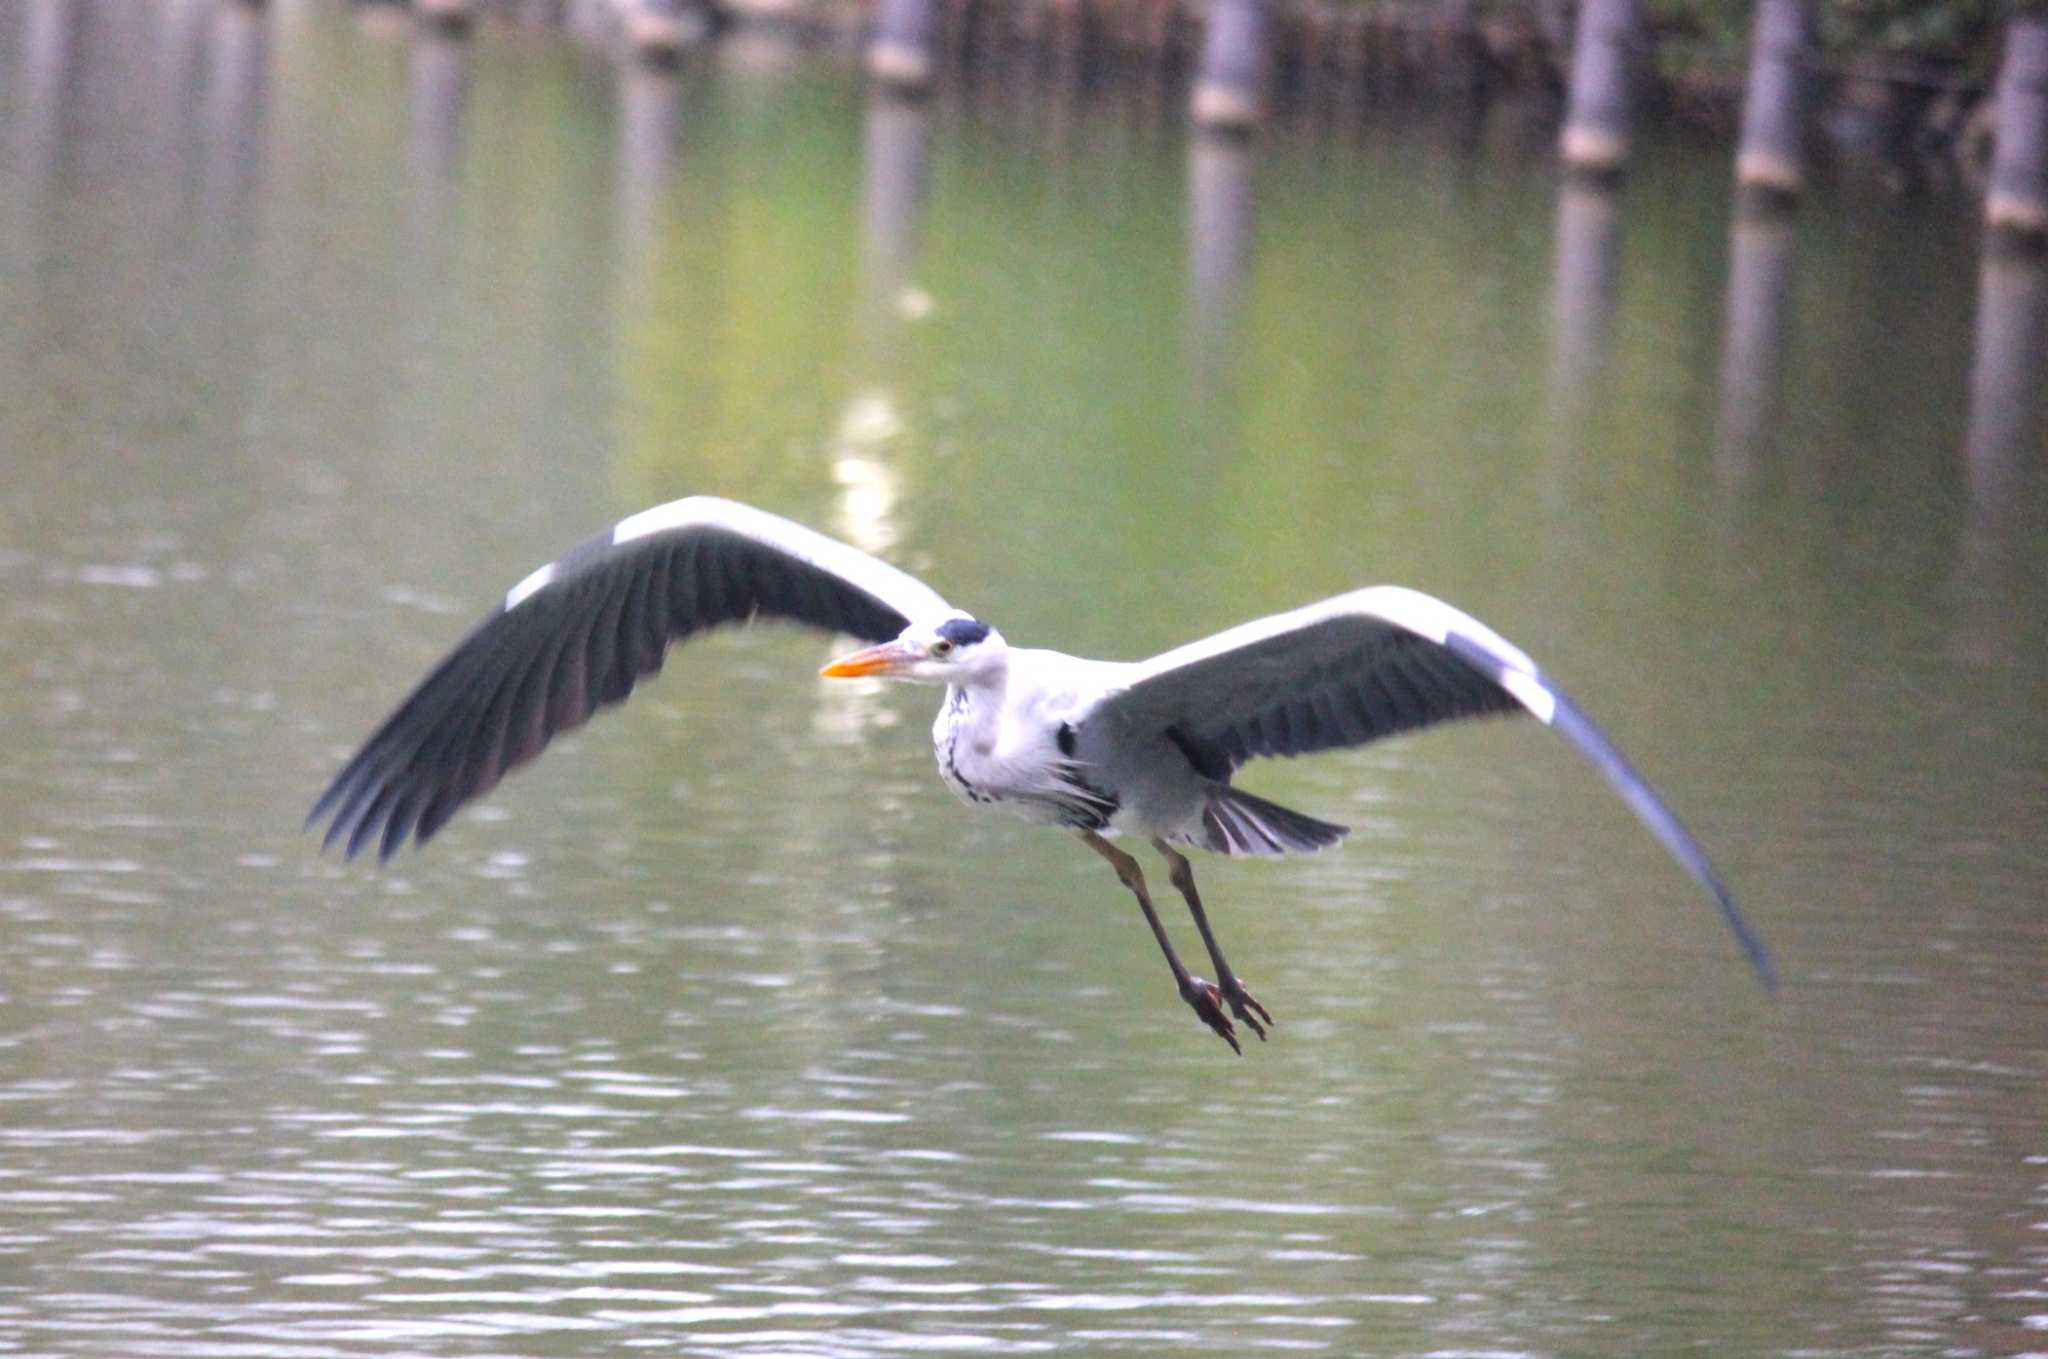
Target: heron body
x=1108, y=750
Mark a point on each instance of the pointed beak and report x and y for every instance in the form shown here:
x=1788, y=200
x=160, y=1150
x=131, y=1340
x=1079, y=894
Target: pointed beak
x=887, y=659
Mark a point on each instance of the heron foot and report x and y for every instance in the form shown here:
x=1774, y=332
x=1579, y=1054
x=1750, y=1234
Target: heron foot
x=1246, y=1006
x=1207, y=1002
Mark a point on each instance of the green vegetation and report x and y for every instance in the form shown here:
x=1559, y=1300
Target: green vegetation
x=1961, y=34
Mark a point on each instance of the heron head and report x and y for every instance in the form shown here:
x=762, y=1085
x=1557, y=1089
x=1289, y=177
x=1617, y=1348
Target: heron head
x=952, y=650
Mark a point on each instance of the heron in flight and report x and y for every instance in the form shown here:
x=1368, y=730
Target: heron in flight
x=1105, y=749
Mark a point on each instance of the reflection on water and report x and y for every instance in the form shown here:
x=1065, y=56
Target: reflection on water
x=438, y=91
x=1219, y=249
x=894, y=168
x=2002, y=450
x=650, y=121
x=1760, y=281
x=1586, y=277
x=724, y=1030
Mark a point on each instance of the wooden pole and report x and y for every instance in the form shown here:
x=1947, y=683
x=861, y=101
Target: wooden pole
x=1230, y=87
x=1771, y=159
x=900, y=56
x=446, y=16
x=2018, y=197
x=1596, y=125
x=656, y=31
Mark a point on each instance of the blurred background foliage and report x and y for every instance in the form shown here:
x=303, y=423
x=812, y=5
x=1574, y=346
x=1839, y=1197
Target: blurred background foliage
x=1961, y=33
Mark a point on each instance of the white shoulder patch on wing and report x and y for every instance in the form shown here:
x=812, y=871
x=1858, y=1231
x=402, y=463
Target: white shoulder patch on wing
x=1531, y=694
x=675, y=514
x=1430, y=617
x=539, y=580
x=1410, y=610
x=903, y=592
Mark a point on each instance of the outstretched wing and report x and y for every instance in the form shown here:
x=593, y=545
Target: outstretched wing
x=579, y=633
x=1365, y=665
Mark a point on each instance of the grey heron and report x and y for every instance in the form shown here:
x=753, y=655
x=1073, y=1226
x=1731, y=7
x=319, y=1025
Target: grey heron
x=1104, y=749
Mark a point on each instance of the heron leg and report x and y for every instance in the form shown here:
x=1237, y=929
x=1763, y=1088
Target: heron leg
x=1204, y=998
x=1243, y=1004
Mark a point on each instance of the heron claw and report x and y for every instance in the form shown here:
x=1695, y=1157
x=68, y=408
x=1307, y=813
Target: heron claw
x=1243, y=1004
x=1208, y=1003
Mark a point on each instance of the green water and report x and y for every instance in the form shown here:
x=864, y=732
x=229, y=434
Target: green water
x=725, y=1030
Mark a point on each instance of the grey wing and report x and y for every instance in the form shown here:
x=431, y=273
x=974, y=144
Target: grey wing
x=579, y=633
x=1365, y=665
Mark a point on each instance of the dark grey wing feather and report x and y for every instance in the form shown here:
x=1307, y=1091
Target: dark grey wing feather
x=1365, y=665
x=579, y=634
x=1379, y=681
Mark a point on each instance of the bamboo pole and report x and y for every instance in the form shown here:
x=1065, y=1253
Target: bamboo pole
x=447, y=16
x=2018, y=197
x=1771, y=156
x=1601, y=96
x=900, y=56
x=657, y=30
x=1230, y=89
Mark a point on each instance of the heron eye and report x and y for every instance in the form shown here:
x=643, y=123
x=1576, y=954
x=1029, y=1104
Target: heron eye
x=942, y=647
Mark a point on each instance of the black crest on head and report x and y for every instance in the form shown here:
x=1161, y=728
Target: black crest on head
x=963, y=631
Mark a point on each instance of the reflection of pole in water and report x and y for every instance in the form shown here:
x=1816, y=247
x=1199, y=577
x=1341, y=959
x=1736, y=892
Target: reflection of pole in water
x=439, y=89
x=1753, y=341
x=1219, y=250
x=2006, y=396
x=235, y=94
x=895, y=168
x=48, y=47
x=2006, y=378
x=896, y=147
x=1582, y=307
x=185, y=25
x=650, y=121
x=869, y=500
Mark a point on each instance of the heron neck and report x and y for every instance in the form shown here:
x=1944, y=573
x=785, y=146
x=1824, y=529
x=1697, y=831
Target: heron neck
x=981, y=690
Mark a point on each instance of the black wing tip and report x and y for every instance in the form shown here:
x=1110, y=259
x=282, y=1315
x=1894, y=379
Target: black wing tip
x=356, y=838
x=1753, y=946
x=1747, y=937
x=1570, y=721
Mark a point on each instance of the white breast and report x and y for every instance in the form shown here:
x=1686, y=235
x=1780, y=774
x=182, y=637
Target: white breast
x=962, y=743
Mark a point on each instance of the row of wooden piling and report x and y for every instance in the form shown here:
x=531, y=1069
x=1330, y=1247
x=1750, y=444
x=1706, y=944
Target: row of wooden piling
x=1604, y=85
x=1770, y=156
x=1609, y=47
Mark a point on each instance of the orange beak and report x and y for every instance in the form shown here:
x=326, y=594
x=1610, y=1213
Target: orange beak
x=886, y=659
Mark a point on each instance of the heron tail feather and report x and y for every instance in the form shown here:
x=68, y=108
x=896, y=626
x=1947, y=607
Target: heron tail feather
x=1235, y=822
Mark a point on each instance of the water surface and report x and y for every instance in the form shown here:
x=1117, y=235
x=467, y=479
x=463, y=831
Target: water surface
x=724, y=1030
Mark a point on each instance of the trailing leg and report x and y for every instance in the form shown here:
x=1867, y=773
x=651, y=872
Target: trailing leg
x=1205, y=999
x=1243, y=1004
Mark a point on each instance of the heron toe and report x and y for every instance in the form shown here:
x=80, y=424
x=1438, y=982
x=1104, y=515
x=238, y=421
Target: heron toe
x=1207, y=1002
x=1246, y=1006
